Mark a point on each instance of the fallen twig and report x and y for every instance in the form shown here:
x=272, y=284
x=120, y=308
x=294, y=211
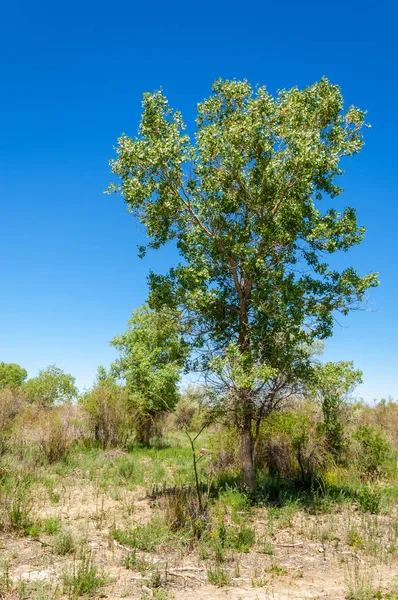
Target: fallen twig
x=296, y=545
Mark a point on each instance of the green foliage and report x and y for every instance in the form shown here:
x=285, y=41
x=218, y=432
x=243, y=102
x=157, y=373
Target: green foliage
x=242, y=202
x=145, y=537
x=369, y=499
x=333, y=384
x=152, y=352
x=11, y=402
x=133, y=561
x=51, y=386
x=373, y=450
x=51, y=526
x=12, y=376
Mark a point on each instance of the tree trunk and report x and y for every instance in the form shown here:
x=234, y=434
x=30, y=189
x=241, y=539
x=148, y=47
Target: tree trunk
x=246, y=452
x=144, y=429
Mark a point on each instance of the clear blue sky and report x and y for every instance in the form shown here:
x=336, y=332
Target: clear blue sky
x=72, y=75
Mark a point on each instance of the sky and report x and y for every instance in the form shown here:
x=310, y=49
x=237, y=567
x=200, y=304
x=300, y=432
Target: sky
x=72, y=77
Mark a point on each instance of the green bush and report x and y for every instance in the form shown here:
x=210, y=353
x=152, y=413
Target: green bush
x=369, y=500
x=373, y=450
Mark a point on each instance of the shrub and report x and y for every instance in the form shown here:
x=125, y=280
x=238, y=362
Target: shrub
x=11, y=402
x=291, y=445
x=15, y=506
x=63, y=543
x=109, y=413
x=369, y=500
x=54, y=434
x=373, y=450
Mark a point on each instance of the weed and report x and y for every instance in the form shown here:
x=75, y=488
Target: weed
x=134, y=562
x=354, y=539
x=51, y=526
x=218, y=576
x=5, y=578
x=369, y=500
x=359, y=584
x=276, y=569
x=63, y=543
x=267, y=548
x=244, y=539
x=145, y=538
x=83, y=579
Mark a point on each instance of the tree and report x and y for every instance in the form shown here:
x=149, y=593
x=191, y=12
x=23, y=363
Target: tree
x=11, y=375
x=152, y=353
x=51, y=386
x=240, y=201
x=333, y=385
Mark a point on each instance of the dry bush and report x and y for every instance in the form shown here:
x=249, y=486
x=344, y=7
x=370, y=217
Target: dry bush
x=11, y=402
x=109, y=414
x=276, y=454
x=383, y=418
x=49, y=432
x=224, y=446
x=291, y=444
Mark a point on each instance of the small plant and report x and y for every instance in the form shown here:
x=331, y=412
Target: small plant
x=218, y=576
x=51, y=526
x=244, y=539
x=359, y=584
x=19, y=511
x=5, y=578
x=34, y=529
x=268, y=548
x=63, y=543
x=369, y=500
x=83, y=579
x=354, y=539
x=259, y=582
x=134, y=562
x=156, y=579
x=276, y=569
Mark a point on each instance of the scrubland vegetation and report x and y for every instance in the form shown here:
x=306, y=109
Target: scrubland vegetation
x=269, y=480
x=87, y=510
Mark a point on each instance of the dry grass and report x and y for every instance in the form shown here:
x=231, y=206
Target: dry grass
x=90, y=524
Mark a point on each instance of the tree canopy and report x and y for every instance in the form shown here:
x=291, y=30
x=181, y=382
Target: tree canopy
x=152, y=353
x=11, y=375
x=242, y=199
x=51, y=386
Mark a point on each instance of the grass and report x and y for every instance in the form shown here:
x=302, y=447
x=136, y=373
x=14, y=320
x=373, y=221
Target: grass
x=218, y=576
x=145, y=537
x=63, y=543
x=83, y=579
x=113, y=486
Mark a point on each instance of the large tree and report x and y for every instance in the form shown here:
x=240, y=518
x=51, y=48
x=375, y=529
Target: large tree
x=242, y=201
